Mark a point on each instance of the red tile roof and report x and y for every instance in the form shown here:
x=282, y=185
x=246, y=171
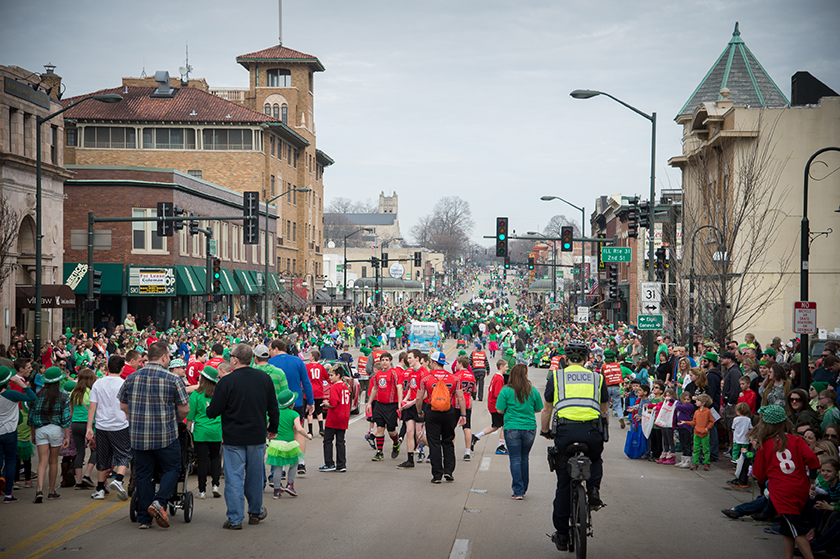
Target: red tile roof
x=281, y=53
x=188, y=105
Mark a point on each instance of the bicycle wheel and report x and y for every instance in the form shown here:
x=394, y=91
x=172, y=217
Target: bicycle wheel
x=581, y=521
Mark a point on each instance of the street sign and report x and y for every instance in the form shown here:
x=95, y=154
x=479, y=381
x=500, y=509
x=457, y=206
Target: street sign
x=651, y=292
x=650, y=322
x=555, y=306
x=616, y=254
x=212, y=247
x=805, y=317
x=651, y=308
x=581, y=318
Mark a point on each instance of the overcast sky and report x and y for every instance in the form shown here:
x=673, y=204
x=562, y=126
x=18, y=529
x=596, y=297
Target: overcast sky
x=451, y=97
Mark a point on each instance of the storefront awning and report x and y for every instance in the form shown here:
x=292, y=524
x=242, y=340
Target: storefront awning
x=75, y=276
x=52, y=297
x=185, y=281
x=200, y=274
x=246, y=282
x=229, y=286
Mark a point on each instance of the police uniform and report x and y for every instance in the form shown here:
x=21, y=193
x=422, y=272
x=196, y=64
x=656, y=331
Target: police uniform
x=576, y=414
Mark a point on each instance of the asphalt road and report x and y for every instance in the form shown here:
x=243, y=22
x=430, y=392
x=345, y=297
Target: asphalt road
x=376, y=511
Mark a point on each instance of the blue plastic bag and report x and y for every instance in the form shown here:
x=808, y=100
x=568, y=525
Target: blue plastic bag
x=635, y=445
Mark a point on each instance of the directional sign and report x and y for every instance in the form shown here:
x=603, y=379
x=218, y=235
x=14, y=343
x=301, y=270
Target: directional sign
x=805, y=317
x=650, y=322
x=651, y=292
x=616, y=254
x=651, y=308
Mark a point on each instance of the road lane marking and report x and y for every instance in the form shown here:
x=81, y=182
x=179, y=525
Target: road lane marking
x=460, y=549
x=84, y=526
x=54, y=528
x=485, y=464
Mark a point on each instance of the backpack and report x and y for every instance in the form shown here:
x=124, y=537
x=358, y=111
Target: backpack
x=439, y=399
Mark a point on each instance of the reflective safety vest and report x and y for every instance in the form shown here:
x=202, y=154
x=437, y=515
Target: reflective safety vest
x=576, y=394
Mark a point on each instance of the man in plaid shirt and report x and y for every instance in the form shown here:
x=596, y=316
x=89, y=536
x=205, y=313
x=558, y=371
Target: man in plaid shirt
x=155, y=401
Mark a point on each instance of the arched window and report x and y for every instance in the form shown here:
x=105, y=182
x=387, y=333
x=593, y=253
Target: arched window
x=276, y=111
x=268, y=109
x=284, y=114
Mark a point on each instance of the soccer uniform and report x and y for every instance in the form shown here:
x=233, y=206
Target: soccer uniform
x=318, y=377
x=496, y=384
x=440, y=426
x=468, y=386
x=385, y=411
x=193, y=371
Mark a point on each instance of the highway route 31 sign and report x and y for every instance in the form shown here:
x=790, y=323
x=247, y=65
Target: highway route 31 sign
x=805, y=317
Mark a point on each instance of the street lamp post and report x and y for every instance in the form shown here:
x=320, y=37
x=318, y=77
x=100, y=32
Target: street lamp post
x=691, y=289
x=588, y=94
x=106, y=98
x=277, y=230
x=331, y=290
x=804, y=253
x=344, y=264
x=582, y=234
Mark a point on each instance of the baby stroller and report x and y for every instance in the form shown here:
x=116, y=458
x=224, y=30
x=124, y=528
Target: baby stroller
x=182, y=499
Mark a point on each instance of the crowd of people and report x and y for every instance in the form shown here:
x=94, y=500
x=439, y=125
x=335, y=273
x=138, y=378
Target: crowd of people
x=251, y=395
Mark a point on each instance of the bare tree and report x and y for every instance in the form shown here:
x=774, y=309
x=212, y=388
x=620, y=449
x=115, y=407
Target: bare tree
x=735, y=189
x=347, y=206
x=558, y=221
x=447, y=228
x=337, y=225
x=9, y=228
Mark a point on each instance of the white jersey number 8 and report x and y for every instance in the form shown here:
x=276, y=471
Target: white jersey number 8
x=786, y=462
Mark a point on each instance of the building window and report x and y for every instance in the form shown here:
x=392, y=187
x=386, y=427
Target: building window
x=195, y=173
x=71, y=137
x=110, y=137
x=272, y=146
x=169, y=138
x=278, y=78
x=183, y=241
x=272, y=185
x=364, y=271
x=270, y=250
x=294, y=264
x=284, y=113
x=276, y=111
x=53, y=140
x=235, y=239
x=294, y=197
x=225, y=240
x=240, y=240
x=294, y=232
x=258, y=254
x=288, y=229
x=222, y=138
x=144, y=237
x=268, y=109
x=217, y=236
x=294, y=163
x=196, y=243
x=288, y=264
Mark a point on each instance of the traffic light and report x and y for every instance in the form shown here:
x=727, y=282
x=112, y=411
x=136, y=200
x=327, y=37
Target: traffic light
x=566, y=242
x=507, y=262
x=418, y=259
x=217, y=275
x=633, y=217
x=644, y=215
x=501, y=236
x=612, y=281
x=384, y=260
x=97, y=283
x=164, y=228
x=177, y=212
x=374, y=262
x=251, y=211
x=193, y=226
x=530, y=262
x=661, y=263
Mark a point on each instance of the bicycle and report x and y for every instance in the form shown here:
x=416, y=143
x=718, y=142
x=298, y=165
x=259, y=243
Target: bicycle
x=579, y=468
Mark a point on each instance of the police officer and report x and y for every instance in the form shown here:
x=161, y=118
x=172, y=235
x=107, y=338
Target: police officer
x=576, y=401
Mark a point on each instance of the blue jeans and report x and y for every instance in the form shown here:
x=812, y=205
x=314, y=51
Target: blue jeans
x=169, y=464
x=244, y=478
x=615, y=395
x=761, y=504
x=519, y=443
x=8, y=455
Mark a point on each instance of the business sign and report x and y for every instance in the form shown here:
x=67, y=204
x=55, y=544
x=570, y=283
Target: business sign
x=616, y=254
x=147, y=281
x=805, y=317
x=650, y=322
x=396, y=270
x=25, y=92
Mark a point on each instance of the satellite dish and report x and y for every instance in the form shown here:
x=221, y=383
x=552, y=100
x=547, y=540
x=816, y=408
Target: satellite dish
x=183, y=71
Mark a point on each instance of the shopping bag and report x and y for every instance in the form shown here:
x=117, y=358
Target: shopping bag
x=635, y=445
x=665, y=419
x=648, y=417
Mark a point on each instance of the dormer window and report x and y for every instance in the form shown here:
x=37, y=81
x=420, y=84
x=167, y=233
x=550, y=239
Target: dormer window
x=278, y=78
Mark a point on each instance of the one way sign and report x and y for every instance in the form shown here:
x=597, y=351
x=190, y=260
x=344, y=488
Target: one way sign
x=651, y=307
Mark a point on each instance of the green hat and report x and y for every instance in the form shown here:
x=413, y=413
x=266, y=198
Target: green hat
x=770, y=351
x=286, y=399
x=177, y=363
x=69, y=386
x=210, y=373
x=53, y=374
x=508, y=351
x=762, y=362
x=819, y=386
x=712, y=356
x=772, y=414
x=609, y=354
x=462, y=352
x=628, y=358
x=6, y=375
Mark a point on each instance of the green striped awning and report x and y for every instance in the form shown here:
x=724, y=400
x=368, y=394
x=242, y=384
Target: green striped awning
x=186, y=282
x=246, y=282
x=229, y=285
x=200, y=275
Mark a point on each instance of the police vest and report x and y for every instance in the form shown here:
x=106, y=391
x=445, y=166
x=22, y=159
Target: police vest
x=576, y=394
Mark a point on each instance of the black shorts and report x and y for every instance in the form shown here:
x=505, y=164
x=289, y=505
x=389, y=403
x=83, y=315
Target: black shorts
x=794, y=525
x=498, y=419
x=467, y=425
x=410, y=414
x=301, y=411
x=318, y=408
x=385, y=415
x=113, y=448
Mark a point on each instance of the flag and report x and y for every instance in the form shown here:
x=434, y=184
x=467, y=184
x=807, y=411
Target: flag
x=593, y=289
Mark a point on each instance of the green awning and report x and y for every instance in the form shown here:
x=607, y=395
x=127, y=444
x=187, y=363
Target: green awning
x=246, y=282
x=256, y=281
x=229, y=286
x=274, y=283
x=200, y=274
x=185, y=281
x=75, y=275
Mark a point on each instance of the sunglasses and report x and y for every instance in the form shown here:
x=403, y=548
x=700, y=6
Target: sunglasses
x=796, y=399
x=820, y=453
x=831, y=437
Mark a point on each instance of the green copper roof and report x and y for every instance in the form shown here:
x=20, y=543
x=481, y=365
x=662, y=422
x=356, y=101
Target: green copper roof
x=738, y=70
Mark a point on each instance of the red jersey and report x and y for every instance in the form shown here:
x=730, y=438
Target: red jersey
x=467, y=381
x=318, y=376
x=786, y=472
x=411, y=382
x=193, y=371
x=338, y=416
x=386, y=383
x=479, y=360
x=127, y=370
x=451, y=381
x=612, y=374
x=496, y=385
x=214, y=362
x=750, y=397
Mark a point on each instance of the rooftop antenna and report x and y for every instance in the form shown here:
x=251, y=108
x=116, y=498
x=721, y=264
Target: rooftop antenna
x=185, y=70
x=280, y=40
x=143, y=73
